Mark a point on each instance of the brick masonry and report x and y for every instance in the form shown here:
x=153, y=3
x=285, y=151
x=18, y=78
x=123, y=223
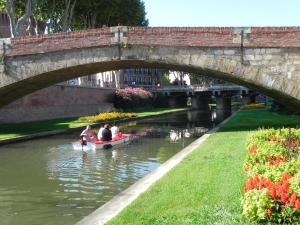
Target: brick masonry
x=288, y=37
x=265, y=59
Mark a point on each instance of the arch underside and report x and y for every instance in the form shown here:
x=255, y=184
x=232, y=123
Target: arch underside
x=33, y=83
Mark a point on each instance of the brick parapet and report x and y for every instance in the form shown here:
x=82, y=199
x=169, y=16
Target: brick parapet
x=59, y=42
x=223, y=37
x=178, y=36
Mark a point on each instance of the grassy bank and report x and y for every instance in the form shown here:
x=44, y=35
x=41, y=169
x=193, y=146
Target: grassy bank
x=8, y=131
x=206, y=187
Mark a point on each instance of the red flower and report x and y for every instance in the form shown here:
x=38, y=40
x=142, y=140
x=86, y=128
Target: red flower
x=253, y=149
x=284, y=198
x=276, y=160
x=297, y=203
x=272, y=192
x=272, y=138
x=269, y=212
x=292, y=143
x=293, y=198
x=286, y=176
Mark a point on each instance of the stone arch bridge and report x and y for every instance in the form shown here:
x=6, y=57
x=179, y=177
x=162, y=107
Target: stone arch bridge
x=264, y=59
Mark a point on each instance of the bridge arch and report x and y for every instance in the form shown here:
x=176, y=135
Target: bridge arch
x=268, y=66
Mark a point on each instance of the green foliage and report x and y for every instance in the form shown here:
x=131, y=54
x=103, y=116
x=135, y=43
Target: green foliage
x=272, y=165
x=256, y=203
x=265, y=150
x=19, y=6
x=93, y=14
x=295, y=181
x=165, y=80
x=86, y=13
x=2, y=5
x=274, y=173
x=283, y=109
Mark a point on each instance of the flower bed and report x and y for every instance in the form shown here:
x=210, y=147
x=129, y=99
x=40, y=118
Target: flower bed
x=106, y=116
x=272, y=165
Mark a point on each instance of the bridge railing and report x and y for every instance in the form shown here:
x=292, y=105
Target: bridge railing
x=199, y=88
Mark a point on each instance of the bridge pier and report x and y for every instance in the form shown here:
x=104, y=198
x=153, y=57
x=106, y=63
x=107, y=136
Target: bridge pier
x=223, y=107
x=201, y=102
x=177, y=100
x=197, y=118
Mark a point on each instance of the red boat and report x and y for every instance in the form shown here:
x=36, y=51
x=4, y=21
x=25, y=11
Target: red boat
x=97, y=144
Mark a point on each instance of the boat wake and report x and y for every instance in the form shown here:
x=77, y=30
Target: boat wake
x=88, y=147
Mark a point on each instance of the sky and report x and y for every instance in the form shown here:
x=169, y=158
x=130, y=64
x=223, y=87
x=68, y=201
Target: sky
x=236, y=13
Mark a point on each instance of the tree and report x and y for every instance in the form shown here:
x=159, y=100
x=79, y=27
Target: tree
x=165, y=81
x=58, y=14
x=94, y=14
x=70, y=15
x=204, y=80
x=179, y=77
x=19, y=13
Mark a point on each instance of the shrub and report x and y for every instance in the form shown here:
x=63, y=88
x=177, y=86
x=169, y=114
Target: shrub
x=129, y=98
x=256, y=204
x=106, y=116
x=282, y=109
x=272, y=189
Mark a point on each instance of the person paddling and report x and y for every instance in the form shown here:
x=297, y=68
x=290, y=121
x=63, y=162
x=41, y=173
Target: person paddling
x=106, y=133
x=99, y=136
x=87, y=134
x=115, y=131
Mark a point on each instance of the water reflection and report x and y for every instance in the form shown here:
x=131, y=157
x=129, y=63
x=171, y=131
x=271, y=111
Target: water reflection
x=176, y=135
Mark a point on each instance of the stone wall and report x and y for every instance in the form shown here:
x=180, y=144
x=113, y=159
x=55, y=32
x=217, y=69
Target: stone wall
x=58, y=102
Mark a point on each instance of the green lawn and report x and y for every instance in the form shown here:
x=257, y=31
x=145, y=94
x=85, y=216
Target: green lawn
x=206, y=187
x=8, y=131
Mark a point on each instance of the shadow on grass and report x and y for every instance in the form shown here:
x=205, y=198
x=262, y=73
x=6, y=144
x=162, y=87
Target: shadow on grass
x=20, y=129
x=34, y=127
x=247, y=120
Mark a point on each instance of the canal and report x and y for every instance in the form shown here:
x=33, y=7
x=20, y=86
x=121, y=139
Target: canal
x=45, y=181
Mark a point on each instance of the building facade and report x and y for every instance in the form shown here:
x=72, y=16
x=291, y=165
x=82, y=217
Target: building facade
x=142, y=77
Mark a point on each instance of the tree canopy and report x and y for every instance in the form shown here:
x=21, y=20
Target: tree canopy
x=70, y=15
x=93, y=14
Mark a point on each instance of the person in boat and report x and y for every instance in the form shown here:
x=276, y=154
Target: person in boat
x=99, y=136
x=106, y=133
x=87, y=134
x=115, y=131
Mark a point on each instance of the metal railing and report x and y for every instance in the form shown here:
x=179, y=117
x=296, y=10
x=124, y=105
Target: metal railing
x=199, y=88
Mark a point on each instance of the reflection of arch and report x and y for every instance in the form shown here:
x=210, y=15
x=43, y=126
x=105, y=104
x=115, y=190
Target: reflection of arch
x=262, y=67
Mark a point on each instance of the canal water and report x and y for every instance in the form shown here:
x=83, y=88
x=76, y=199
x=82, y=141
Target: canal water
x=45, y=181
